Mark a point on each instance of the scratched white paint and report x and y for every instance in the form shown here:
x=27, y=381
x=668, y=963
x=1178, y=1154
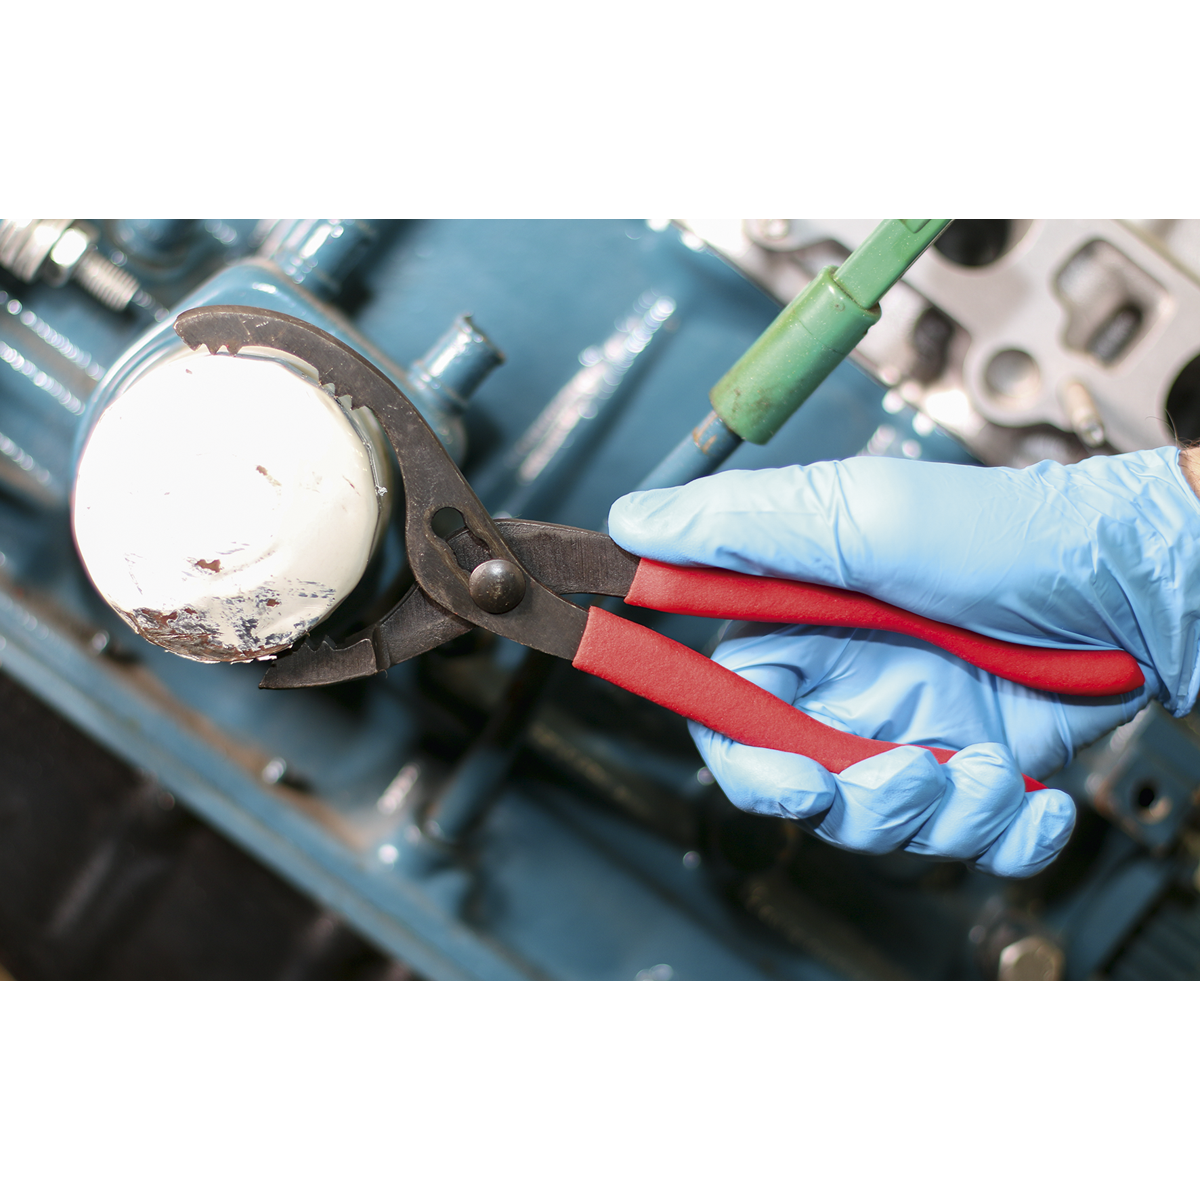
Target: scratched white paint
x=224, y=506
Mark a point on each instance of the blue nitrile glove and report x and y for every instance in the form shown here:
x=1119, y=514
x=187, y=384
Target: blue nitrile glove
x=1104, y=553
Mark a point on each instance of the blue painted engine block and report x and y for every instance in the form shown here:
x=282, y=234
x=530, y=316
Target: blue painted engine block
x=598, y=846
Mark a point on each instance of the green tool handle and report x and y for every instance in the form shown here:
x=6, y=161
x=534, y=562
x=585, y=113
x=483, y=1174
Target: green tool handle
x=816, y=331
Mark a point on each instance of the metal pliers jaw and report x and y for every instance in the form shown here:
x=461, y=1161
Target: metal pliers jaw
x=484, y=584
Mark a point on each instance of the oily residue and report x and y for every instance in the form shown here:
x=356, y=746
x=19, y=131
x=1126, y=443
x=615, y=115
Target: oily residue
x=263, y=471
x=205, y=564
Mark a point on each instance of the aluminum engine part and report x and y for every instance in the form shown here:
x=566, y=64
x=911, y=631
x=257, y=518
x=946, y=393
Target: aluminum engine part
x=1025, y=340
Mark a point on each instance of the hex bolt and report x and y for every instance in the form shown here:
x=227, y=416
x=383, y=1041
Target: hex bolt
x=1031, y=958
x=497, y=585
x=56, y=251
x=1010, y=944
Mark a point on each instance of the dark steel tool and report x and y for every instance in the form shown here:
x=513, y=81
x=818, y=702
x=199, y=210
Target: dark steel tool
x=510, y=576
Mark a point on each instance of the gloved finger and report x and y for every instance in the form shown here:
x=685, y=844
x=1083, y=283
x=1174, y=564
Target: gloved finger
x=772, y=783
x=895, y=688
x=875, y=806
x=772, y=522
x=983, y=814
x=973, y=808
x=900, y=530
x=882, y=802
x=1035, y=836
x=983, y=796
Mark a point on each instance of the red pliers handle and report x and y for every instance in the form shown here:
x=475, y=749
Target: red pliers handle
x=642, y=661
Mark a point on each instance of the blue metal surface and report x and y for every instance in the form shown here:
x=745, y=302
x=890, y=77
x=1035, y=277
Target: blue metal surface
x=700, y=453
x=155, y=240
x=319, y=254
x=261, y=284
x=602, y=851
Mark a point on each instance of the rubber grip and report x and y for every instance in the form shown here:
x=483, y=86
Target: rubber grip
x=712, y=592
x=650, y=665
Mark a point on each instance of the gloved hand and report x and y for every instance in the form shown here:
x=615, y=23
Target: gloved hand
x=1105, y=553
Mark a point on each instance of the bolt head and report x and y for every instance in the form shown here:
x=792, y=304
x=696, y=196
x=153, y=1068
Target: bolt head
x=497, y=585
x=67, y=252
x=1031, y=957
x=69, y=248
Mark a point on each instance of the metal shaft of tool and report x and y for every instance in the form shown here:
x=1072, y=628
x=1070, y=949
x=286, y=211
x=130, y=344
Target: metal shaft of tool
x=797, y=352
